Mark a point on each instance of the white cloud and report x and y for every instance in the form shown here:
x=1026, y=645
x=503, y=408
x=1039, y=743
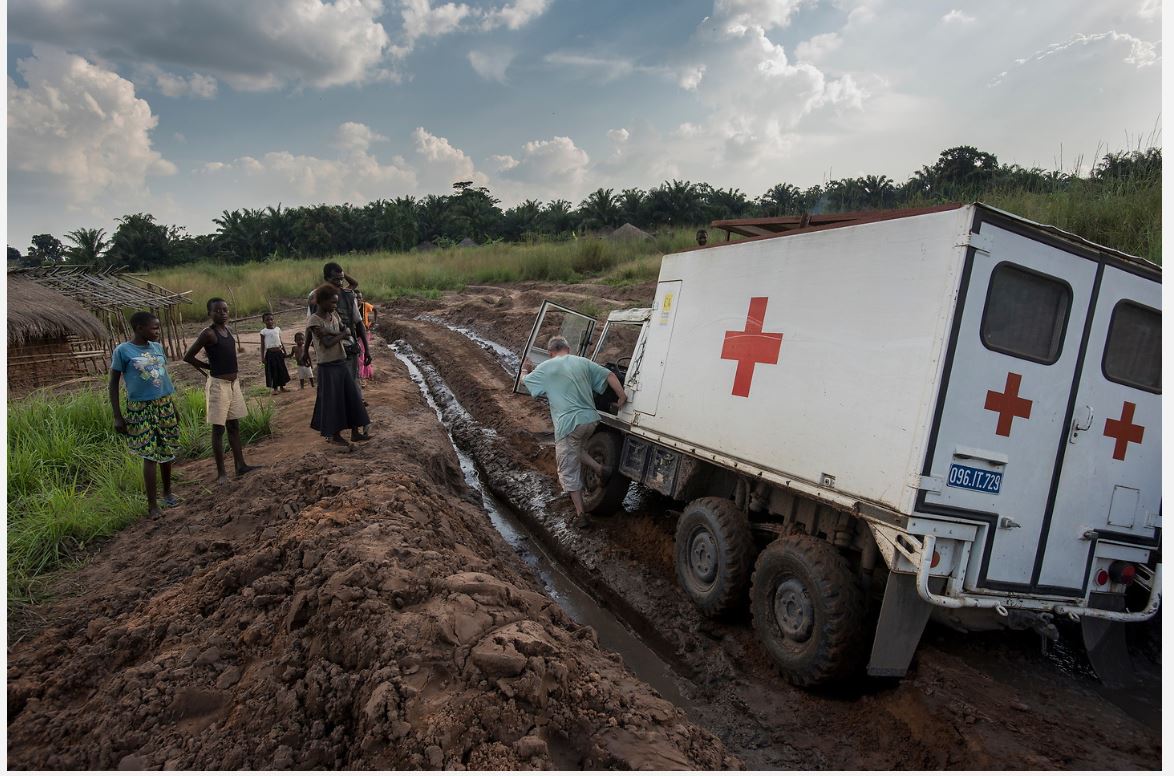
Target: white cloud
x=619, y=136
x=422, y=19
x=757, y=96
x=817, y=47
x=256, y=45
x=491, y=64
x=81, y=129
x=1141, y=53
x=607, y=68
x=444, y=163
x=503, y=162
x=515, y=15
x=173, y=85
x=689, y=78
x=555, y=162
x=1150, y=9
x=355, y=137
x=957, y=17
x=768, y=14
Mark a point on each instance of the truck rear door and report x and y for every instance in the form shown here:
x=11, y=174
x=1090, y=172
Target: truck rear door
x=993, y=449
x=1110, y=480
x=554, y=319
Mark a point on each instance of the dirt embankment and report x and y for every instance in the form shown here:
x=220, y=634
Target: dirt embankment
x=970, y=701
x=328, y=611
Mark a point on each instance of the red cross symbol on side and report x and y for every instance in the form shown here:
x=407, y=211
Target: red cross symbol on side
x=1008, y=404
x=1124, y=431
x=751, y=346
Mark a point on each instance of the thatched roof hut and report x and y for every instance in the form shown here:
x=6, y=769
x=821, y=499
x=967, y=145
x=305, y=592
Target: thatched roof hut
x=425, y=246
x=467, y=243
x=629, y=232
x=37, y=314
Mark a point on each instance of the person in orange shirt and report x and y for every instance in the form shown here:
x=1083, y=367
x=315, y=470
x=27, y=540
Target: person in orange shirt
x=370, y=316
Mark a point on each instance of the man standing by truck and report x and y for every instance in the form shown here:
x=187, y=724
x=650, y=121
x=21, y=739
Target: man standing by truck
x=570, y=384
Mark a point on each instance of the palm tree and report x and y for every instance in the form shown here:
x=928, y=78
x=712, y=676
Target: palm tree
x=676, y=202
x=878, y=191
x=88, y=246
x=601, y=210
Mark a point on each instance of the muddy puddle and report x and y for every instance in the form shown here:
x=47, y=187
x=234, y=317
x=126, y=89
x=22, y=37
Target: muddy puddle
x=558, y=584
x=504, y=356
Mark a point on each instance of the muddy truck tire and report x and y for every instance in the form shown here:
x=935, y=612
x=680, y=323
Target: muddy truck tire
x=714, y=554
x=604, y=497
x=808, y=610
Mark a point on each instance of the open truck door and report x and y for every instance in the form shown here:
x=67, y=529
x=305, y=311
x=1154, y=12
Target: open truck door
x=552, y=320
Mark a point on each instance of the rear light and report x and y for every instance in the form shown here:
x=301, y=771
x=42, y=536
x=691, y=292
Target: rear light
x=936, y=560
x=1122, y=573
x=1102, y=577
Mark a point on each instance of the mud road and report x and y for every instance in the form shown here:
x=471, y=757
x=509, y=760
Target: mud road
x=329, y=610
x=985, y=701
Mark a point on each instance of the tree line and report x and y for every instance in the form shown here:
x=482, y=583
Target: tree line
x=138, y=242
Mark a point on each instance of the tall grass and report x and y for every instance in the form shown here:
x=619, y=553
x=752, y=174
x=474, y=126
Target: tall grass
x=250, y=288
x=72, y=479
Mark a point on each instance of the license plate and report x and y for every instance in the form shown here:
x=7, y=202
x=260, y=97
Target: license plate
x=974, y=479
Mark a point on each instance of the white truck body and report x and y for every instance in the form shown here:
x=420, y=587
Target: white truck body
x=977, y=387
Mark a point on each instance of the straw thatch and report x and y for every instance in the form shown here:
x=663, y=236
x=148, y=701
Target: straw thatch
x=39, y=313
x=425, y=246
x=467, y=243
x=629, y=232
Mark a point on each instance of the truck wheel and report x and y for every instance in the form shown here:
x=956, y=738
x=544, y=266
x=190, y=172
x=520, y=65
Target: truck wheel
x=808, y=610
x=604, y=497
x=714, y=555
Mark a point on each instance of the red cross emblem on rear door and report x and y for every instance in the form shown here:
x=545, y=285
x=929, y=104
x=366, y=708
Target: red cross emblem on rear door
x=1124, y=430
x=751, y=346
x=1009, y=404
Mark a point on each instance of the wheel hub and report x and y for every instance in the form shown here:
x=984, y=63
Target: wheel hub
x=703, y=556
x=793, y=610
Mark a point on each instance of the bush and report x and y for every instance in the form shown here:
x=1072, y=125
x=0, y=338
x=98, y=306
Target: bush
x=593, y=257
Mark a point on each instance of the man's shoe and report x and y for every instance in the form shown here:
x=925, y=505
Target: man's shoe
x=582, y=523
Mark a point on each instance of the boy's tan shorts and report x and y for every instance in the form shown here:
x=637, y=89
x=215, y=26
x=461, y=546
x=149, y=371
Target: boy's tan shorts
x=567, y=452
x=224, y=401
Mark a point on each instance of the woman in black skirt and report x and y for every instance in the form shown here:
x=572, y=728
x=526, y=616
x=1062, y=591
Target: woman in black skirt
x=339, y=404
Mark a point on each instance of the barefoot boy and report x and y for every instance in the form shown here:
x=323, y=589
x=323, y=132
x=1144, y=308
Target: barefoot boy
x=151, y=422
x=224, y=400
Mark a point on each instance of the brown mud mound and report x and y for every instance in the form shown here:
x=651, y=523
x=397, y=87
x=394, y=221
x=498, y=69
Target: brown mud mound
x=970, y=700
x=330, y=611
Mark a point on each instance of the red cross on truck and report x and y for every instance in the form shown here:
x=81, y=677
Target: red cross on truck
x=963, y=420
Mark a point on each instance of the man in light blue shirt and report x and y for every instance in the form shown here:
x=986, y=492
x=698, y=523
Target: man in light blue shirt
x=570, y=384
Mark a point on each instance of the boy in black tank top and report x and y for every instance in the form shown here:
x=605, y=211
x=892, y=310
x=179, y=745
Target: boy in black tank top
x=224, y=402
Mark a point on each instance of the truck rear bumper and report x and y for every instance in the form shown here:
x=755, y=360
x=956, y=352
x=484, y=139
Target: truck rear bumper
x=921, y=558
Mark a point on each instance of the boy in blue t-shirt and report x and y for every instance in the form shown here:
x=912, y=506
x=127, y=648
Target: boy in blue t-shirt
x=151, y=421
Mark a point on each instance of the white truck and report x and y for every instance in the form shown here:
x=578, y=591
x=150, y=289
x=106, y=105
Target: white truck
x=971, y=399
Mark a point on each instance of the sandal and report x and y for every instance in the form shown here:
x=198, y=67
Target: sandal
x=170, y=500
x=348, y=446
x=364, y=437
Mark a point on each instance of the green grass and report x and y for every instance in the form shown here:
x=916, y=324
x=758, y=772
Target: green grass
x=1126, y=216
x=72, y=479
x=251, y=288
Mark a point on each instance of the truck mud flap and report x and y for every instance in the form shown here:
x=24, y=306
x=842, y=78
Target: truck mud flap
x=1104, y=642
x=902, y=619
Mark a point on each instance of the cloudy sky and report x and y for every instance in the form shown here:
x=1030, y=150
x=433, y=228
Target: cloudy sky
x=184, y=108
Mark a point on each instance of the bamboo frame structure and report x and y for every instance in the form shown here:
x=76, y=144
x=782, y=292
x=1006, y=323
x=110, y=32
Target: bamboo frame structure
x=110, y=294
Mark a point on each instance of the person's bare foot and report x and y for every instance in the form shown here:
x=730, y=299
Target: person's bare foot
x=154, y=513
x=581, y=522
x=241, y=471
x=222, y=479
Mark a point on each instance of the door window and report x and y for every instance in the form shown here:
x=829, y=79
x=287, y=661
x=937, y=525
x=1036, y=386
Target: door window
x=1133, y=350
x=1026, y=314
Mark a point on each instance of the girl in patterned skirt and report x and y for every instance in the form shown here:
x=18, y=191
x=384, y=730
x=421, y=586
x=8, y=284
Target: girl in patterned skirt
x=151, y=422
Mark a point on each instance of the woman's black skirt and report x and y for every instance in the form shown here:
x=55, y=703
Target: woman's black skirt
x=276, y=375
x=339, y=405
